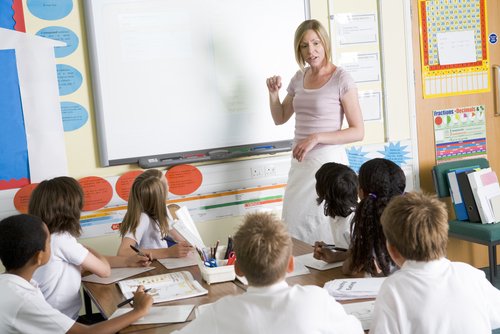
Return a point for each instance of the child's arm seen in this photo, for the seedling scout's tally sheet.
(142, 304)
(181, 249)
(346, 267)
(96, 264)
(324, 253)
(135, 260)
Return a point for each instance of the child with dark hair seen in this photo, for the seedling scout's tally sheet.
(337, 189)
(24, 247)
(58, 202)
(379, 181)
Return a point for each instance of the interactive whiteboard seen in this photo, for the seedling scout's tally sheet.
(184, 80)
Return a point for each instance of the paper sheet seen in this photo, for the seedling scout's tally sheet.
(309, 261)
(180, 262)
(186, 227)
(117, 274)
(363, 311)
(160, 314)
(165, 287)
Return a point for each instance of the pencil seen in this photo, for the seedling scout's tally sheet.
(137, 250)
(333, 247)
(126, 301)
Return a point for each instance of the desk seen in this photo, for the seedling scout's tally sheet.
(106, 297)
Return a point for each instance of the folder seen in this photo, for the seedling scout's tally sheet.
(484, 185)
(468, 197)
(456, 197)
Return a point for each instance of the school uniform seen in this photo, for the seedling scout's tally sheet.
(60, 279)
(147, 235)
(341, 230)
(278, 308)
(23, 309)
(436, 297)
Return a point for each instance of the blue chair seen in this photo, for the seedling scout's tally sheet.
(484, 234)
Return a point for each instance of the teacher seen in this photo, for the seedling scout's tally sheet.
(319, 94)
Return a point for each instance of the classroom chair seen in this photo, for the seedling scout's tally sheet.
(484, 234)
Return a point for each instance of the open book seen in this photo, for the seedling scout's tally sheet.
(165, 287)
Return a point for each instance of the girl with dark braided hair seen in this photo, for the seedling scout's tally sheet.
(379, 181)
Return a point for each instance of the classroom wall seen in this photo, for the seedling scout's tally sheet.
(82, 145)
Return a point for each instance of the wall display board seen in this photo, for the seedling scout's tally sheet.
(454, 48)
(184, 81)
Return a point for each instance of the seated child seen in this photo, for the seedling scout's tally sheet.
(145, 224)
(429, 294)
(58, 202)
(337, 187)
(263, 250)
(24, 247)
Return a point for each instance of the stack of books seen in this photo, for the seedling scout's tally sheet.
(475, 194)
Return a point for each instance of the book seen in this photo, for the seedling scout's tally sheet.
(309, 261)
(165, 287)
(117, 274)
(159, 314)
(484, 185)
(468, 197)
(354, 288)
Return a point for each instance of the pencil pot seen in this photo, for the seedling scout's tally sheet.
(216, 270)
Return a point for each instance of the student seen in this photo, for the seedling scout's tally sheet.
(337, 189)
(58, 202)
(263, 250)
(379, 181)
(24, 247)
(145, 224)
(430, 294)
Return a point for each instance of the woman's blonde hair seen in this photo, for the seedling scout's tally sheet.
(263, 248)
(318, 28)
(148, 195)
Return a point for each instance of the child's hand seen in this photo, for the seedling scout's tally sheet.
(181, 249)
(142, 301)
(323, 253)
(137, 260)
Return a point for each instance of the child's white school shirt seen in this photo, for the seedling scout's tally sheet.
(147, 235)
(436, 297)
(341, 230)
(278, 308)
(60, 279)
(24, 310)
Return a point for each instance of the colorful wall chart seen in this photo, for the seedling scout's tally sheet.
(460, 133)
(448, 26)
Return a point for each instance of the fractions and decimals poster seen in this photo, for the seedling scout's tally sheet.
(460, 133)
(453, 46)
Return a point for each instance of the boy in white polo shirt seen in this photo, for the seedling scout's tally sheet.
(429, 294)
(263, 250)
(25, 246)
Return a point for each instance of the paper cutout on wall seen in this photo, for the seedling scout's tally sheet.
(124, 183)
(18, 15)
(356, 157)
(22, 197)
(68, 78)
(14, 166)
(97, 192)
(74, 116)
(6, 15)
(183, 179)
(62, 34)
(396, 153)
(50, 9)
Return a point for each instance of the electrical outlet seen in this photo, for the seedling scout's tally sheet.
(256, 171)
(263, 171)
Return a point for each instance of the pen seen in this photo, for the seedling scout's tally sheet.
(333, 247)
(215, 249)
(139, 252)
(126, 301)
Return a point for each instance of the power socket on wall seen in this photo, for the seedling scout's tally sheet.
(263, 171)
